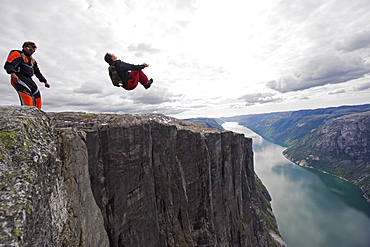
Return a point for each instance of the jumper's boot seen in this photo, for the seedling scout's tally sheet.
(149, 83)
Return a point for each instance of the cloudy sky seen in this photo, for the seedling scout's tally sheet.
(208, 58)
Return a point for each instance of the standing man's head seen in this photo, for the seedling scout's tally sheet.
(30, 47)
(110, 58)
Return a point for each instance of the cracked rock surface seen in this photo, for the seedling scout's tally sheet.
(78, 179)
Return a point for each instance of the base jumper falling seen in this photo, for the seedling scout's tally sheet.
(126, 75)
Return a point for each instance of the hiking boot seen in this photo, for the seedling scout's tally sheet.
(149, 83)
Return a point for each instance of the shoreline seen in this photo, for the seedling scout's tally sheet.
(334, 175)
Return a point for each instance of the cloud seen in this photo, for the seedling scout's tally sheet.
(156, 96)
(338, 91)
(259, 98)
(197, 55)
(363, 86)
(90, 88)
(322, 70)
(355, 42)
(142, 48)
(9, 95)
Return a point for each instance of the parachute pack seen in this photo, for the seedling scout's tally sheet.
(113, 74)
(30, 63)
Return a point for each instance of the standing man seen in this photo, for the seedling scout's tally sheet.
(126, 75)
(22, 66)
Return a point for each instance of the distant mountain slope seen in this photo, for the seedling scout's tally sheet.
(206, 122)
(286, 127)
(341, 147)
(335, 140)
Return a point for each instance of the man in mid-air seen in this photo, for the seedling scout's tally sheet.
(126, 75)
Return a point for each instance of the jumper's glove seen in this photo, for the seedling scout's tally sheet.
(120, 84)
(47, 85)
(14, 78)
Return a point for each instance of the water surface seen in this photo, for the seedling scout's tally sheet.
(313, 209)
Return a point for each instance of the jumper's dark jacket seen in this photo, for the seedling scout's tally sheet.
(124, 68)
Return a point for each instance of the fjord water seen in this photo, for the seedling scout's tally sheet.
(312, 208)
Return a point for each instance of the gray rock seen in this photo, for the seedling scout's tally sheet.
(78, 179)
(46, 199)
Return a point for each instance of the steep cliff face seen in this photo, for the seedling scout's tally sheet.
(126, 180)
(340, 147)
(46, 198)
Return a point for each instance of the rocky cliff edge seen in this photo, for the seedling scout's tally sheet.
(77, 179)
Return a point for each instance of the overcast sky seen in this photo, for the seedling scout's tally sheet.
(208, 58)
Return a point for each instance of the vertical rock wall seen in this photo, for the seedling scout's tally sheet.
(77, 179)
(45, 193)
(81, 219)
(159, 183)
(28, 176)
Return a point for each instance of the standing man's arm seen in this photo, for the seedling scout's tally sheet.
(11, 63)
(39, 75)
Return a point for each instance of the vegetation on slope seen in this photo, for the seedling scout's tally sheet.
(335, 140)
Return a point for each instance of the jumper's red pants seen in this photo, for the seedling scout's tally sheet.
(28, 93)
(137, 76)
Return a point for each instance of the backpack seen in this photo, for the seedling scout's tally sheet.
(113, 74)
(30, 58)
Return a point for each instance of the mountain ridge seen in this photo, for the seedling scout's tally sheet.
(339, 147)
(293, 129)
(285, 127)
